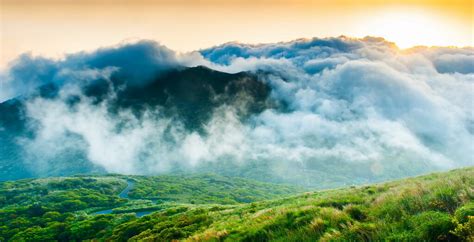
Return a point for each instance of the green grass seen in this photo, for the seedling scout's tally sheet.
(207, 188)
(435, 207)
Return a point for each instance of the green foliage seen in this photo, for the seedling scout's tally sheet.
(445, 199)
(91, 228)
(437, 207)
(355, 212)
(431, 226)
(43, 209)
(166, 228)
(61, 208)
(201, 189)
(464, 220)
(463, 213)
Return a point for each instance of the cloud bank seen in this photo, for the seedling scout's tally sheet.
(358, 108)
(136, 63)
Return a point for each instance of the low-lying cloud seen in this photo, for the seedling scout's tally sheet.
(358, 105)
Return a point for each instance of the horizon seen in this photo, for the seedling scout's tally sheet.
(55, 28)
(60, 56)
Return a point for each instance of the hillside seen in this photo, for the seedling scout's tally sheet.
(40, 209)
(209, 207)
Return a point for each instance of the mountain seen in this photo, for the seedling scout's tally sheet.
(165, 123)
(209, 207)
(318, 113)
(185, 95)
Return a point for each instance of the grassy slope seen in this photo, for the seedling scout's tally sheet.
(432, 207)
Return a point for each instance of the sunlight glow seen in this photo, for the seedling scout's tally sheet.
(410, 27)
(55, 29)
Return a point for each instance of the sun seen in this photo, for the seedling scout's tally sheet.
(409, 27)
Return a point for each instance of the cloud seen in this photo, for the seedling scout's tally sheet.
(360, 108)
(451, 63)
(25, 74)
(426, 92)
(136, 62)
(113, 141)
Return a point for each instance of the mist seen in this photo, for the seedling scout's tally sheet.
(358, 108)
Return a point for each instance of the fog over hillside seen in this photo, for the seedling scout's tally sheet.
(316, 112)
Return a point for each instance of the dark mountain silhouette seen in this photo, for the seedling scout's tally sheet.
(187, 94)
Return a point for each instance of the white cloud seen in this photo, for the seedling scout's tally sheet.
(359, 101)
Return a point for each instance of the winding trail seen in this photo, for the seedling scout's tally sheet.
(124, 194)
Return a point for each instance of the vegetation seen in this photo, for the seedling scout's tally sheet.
(206, 208)
(64, 208)
(199, 189)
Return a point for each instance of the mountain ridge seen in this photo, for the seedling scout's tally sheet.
(186, 94)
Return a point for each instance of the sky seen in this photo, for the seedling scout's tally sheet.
(53, 28)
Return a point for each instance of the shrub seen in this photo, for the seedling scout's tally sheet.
(432, 225)
(355, 212)
(445, 199)
(335, 218)
(465, 231)
(317, 225)
(464, 220)
(331, 235)
(360, 232)
(464, 212)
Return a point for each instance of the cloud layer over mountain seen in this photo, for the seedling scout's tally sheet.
(134, 62)
(359, 105)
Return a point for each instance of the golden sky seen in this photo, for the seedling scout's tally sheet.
(55, 27)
